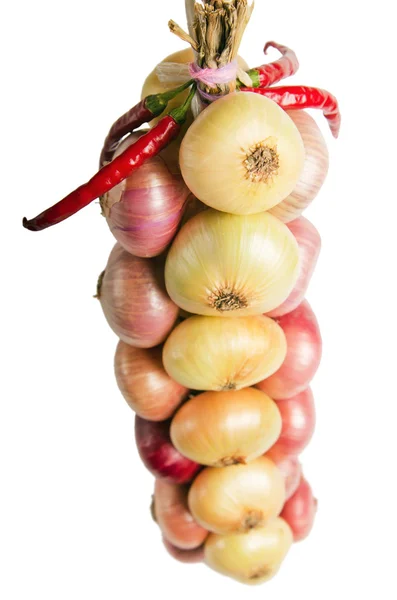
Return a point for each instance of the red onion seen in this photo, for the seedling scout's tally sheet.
(300, 511)
(290, 467)
(158, 454)
(304, 348)
(299, 419)
(144, 211)
(185, 556)
(133, 297)
(145, 385)
(309, 242)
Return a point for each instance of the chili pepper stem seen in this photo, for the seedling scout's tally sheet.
(157, 103)
(179, 114)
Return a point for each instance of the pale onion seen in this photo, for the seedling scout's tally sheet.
(299, 420)
(153, 85)
(174, 518)
(243, 154)
(226, 428)
(300, 511)
(212, 353)
(304, 348)
(225, 265)
(145, 385)
(309, 242)
(289, 467)
(314, 172)
(133, 298)
(237, 498)
(253, 557)
(144, 211)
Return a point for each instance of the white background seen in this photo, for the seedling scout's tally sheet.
(74, 513)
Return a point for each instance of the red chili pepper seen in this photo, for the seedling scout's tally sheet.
(299, 97)
(113, 173)
(146, 110)
(273, 72)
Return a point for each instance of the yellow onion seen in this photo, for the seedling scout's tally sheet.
(243, 154)
(226, 428)
(153, 85)
(314, 172)
(253, 557)
(228, 265)
(211, 353)
(237, 498)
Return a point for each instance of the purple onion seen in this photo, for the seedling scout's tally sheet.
(134, 300)
(159, 455)
(145, 210)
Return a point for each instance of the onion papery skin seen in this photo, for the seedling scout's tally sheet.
(217, 147)
(225, 265)
(225, 428)
(298, 416)
(174, 518)
(134, 299)
(144, 211)
(184, 556)
(253, 557)
(153, 85)
(216, 354)
(309, 242)
(300, 511)
(304, 350)
(237, 498)
(159, 455)
(290, 468)
(145, 385)
(314, 171)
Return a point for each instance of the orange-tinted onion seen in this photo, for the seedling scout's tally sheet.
(300, 511)
(299, 419)
(184, 556)
(225, 428)
(146, 387)
(134, 300)
(237, 498)
(304, 348)
(309, 243)
(174, 518)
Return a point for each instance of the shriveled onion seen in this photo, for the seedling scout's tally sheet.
(309, 242)
(253, 557)
(134, 299)
(226, 265)
(299, 419)
(145, 385)
(159, 455)
(226, 428)
(300, 511)
(304, 348)
(289, 467)
(243, 154)
(237, 498)
(314, 172)
(144, 210)
(212, 353)
(174, 518)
